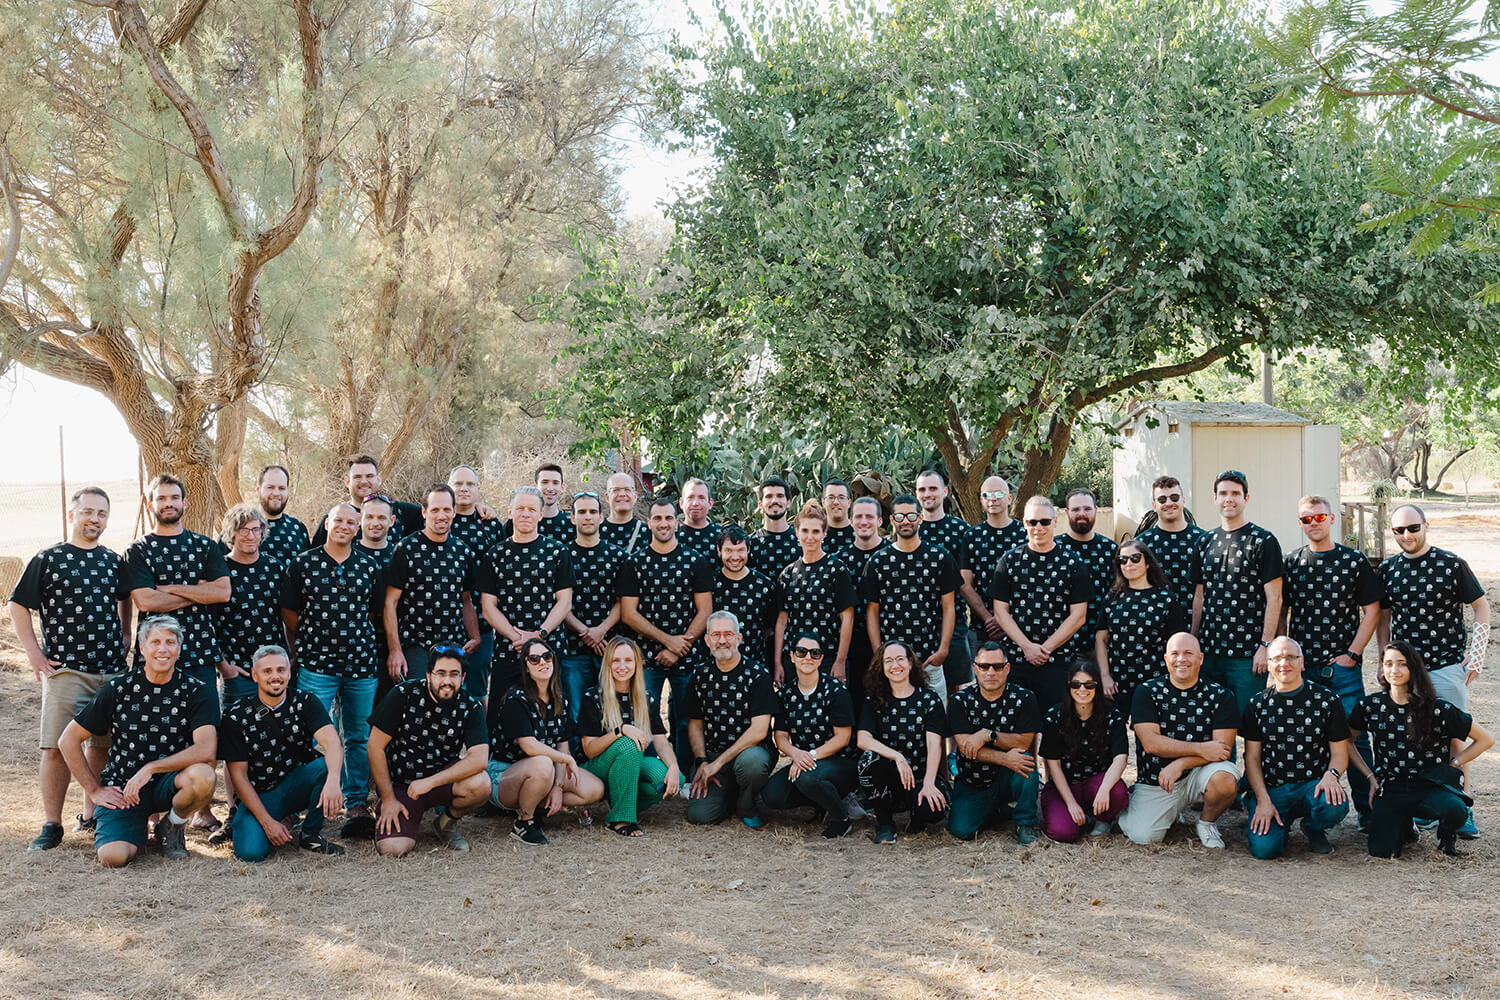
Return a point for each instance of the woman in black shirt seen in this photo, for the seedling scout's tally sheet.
(1142, 613)
(620, 727)
(531, 764)
(814, 720)
(901, 730)
(1413, 772)
(1084, 750)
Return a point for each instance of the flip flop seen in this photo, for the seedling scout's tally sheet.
(626, 829)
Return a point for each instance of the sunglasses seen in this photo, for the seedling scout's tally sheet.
(381, 498)
(808, 651)
(536, 658)
(992, 666)
(1131, 558)
(585, 493)
(993, 495)
(899, 518)
(447, 649)
(1169, 498)
(1038, 522)
(1315, 518)
(1082, 685)
(1402, 529)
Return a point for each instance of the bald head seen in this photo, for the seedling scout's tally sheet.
(1184, 659)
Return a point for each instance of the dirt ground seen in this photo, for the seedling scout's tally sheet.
(724, 912)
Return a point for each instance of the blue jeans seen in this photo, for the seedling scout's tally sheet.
(1348, 683)
(297, 791)
(1296, 800)
(972, 808)
(477, 673)
(356, 698)
(580, 671)
(677, 725)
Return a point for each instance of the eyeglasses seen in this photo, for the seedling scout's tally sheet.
(899, 518)
(1083, 685)
(722, 635)
(381, 498)
(1169, 498)
(992, 665)
(1402, 529)
(993, 495)
(808, 651)
(536, 658)
(446, 649)
(585, 493)
(1232, 476)
(1285, 657)
(1315, 518)
(1038, 522)
(1131, 558)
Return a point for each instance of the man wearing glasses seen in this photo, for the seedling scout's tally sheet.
(622, 528)
(836, 499)
(994, 725)
(1426, 589)
(1242, 573)
(595, 609)
(909, 589)
(982, 548)
(1176, 544)
(1332, 606)
(696, 531)
(1040, 594)
(1096, 552)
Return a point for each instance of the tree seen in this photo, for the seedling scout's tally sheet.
(978, 221)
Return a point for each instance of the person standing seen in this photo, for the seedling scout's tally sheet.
(622, 528)
(480, 534)
(362, 479)
(773, 545)
(1095, 551)
(865, 516)
(836, 500)
(595, 609)
(252, 618)
(980, 552)
(749, 595)
(1177, 545)
(696, 531)
(950, 532)
(75, 589)
(817, 597)
(909, 589)
(554, 522)
(373, 539)
(1140, 614)
(285, 536)
(427, 590)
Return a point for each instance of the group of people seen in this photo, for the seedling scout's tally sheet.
(462, 661)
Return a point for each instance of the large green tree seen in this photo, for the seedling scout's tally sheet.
(978, 220)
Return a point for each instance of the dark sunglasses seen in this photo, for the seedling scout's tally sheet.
(585, 493)
(992, 666)
(807, 651)
(382, 498)
(535, 658)
(1082, 685)
(1169, 498)
(1315, 518)
(1038, 522)
(993, 495)
(446, 649)
(1131, 558)
(1402, 529)
(1233, 476)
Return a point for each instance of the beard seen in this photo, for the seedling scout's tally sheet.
(168, 516)
(272, 506)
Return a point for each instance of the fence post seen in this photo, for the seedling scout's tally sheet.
(62, 482)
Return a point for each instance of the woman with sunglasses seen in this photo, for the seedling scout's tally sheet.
(531, 764)
(1413, 771)
(901, 730)
(814, 722)
(817, 596)
(1142, 614)
(1084, 749)
(621, 727)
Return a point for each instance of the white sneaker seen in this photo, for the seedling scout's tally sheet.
(1099, 829)
(1209, 836)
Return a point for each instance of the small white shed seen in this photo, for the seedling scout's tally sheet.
(1284, 457)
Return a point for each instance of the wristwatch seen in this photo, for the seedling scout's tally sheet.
(994, 740)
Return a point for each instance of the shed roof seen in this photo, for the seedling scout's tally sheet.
(1194, 411)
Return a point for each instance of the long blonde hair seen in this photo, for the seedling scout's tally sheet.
(609, 705)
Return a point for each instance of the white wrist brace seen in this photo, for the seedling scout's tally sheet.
(1479, 644)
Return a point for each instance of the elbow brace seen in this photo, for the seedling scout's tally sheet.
(1479, 644)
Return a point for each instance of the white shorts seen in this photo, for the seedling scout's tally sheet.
(1153, 810)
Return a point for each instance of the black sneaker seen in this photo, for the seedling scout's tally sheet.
(170, 837)
(885, 835)
(528, 832)
(50, 837)
(1448, 843)
(1317, 840)
(837, 828)
(359, 826)
(314, 842)
(85, 825)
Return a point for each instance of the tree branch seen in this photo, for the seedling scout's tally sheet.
(13, 216)
(1224, 349)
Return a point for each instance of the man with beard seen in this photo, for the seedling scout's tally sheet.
(696, 531)
(747, 594)
(427, 589)
(362, 479)
(76, 590)
(622, 528)
(909, 587)
(774, 544)
(729, 705)
(595, 609)
(428, 748)
(555, 522)
(1177, 545)
(1096, 552)
(836, 500)
(987, 541)
(285, 535)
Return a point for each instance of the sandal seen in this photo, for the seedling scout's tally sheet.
(626, 829)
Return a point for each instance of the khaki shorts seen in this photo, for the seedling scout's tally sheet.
(63, 695)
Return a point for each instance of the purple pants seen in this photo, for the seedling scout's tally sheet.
(1057, 822)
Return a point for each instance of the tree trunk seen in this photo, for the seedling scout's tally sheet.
(229, 447)
(1045, 462)
(1449, 464)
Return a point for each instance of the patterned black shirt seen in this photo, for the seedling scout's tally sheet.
(1236, 567)
(1386, 722)
(525, 578)
(949, 531)
(407, 520)
(903, 724)
(480, 536)
(810, 719)
(620, 535)
(857, 559)
(285, 537)
(1098, 557)
(188, 558)
(1041, 588)
(596, 583)
(813, 596)
(1323, 593)
(432, 577)
(1095, 752)
(1294, 731)
(981, 551)
(770, 553)
(1426, 598)
(755, 602)
(1189, 715)
(728, 701)
(909, 588)
(335, 603)
(77, 594)
(704, 540)
(381, 557)
(591, 713)
(252, 618)
(1139, 623)
(969, 711)
(426, 735)
(273, 741)
(665, 584)
(521, 717)
(1181, 556)
(838, 538)
(146, 721)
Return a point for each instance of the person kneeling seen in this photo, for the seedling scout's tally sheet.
(428, 748)
(994, 724)
(901, 729)
(728, 707)
(283, 756)
(814, 720)
(1084, 747)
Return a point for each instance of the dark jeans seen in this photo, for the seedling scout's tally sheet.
(1402, 800)
(1349, 684)
(1048, 682)
(580, 671)
(958, 668)
(1296, 800)
(677, 723)
(477, 673)
(737, 786)
(1237, 673)
(880, 785)
(823, 787)
(974, 808)
(298, 791)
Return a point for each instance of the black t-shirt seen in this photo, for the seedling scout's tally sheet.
(755, 602)
(381, 557)
(187, 558)
(1041, 588)
(981, 551)
(432, 577)
(1181, 556)
(77, 594)
(596, 582)
(406, 517)
(146, 721)
(558, 527)
(1386, 722)
(426, 735)
(480, 536)
(664, 584)
(903, 724)
(704, 540)
(1096, 750)
(591, 713)
(813, 596)
(949, 531)
(1294, 731)
(521, 717)
(334, 603)
(809, 719)
(1098, 557)
(857, 559)
(1323, 593)
(1426, 598)
(909, 587)
(252, 618)
(969, 711)
(1236, 567)
(525, 578)
(285, 537)
(630, 537)
(1139, 623)
(273, 741)
(771, 552)
(838, 538)
(1189, 715)
(728, 701)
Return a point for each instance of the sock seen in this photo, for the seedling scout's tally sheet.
(175, 819)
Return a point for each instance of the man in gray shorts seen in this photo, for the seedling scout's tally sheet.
(84, 607)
